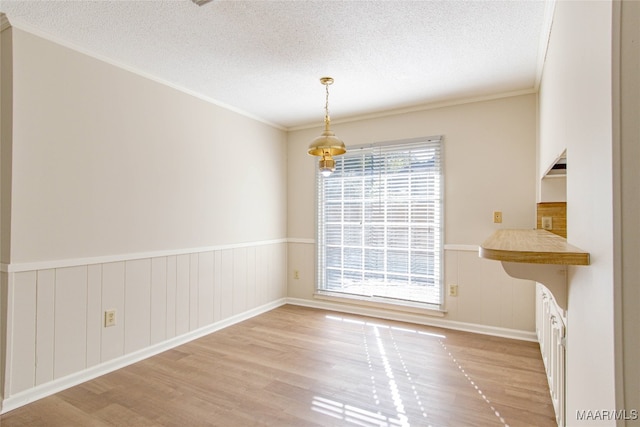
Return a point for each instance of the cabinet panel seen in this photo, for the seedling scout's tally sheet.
(551, 330)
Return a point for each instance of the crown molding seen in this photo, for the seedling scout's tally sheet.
(547, 24)
(69, 45)
(4, 22)
(421, 107)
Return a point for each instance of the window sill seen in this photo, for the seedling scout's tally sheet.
(381, 303)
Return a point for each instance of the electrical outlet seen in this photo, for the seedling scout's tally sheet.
(296, 274)
(453, 290)
(109, 318)
(497, 217)
(547, 223)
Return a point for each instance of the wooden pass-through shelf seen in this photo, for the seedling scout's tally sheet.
(535, 255)
(532, 246)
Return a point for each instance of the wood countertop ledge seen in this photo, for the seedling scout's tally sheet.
(532, 246)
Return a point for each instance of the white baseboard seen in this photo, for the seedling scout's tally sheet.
(417, 319)
(57, 385)
(60, 384)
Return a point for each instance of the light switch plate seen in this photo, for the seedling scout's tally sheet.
(109, 318)
(453, 290)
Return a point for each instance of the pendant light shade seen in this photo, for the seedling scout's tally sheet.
(327, 144)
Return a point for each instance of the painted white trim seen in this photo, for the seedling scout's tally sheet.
(543, 47)
(4, 22)
(379, 303)
(447, 247)
(468, 248)
(60, 384)
(9, 335)
(421, 107)
(304, 241)
(55, 386)
(417, 319)
(73, 262)
(555, 160)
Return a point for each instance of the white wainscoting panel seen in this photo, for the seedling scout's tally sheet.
(24, 339)
(137, 308)
(205, 288)
(112, 299)
(158, 315)
(95, 317)
(276, 272)
(182, 294)
(262, 273)
(217, 286)
(55, 327)
(486, 294)
(70, 321)
(194, 294)
(172, 295)
(252, 300)
(45, 316)
(4, 325)
(239, 280)
(226, 292)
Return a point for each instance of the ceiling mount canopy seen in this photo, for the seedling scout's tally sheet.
(201, 2)
(327, 144)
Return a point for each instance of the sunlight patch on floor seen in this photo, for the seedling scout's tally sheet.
(352, 414)
(401, 419)
(363, 417)
(475, 386)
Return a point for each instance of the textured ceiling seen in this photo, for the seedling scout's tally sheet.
(265, 58)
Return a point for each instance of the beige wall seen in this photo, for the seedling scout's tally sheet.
(6, 126)
(576, 114)
(627, 64)
(128, 195)
(6, 101)
(108, 162)
(489, 152)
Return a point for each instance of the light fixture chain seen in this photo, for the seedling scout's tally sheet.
(326, 105)
(327, 144)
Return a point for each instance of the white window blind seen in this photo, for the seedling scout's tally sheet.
(380, 230)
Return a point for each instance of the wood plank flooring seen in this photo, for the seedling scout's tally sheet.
(296, 366)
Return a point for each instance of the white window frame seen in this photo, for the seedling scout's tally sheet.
(431, 144)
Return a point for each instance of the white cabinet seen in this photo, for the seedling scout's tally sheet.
(551, 331)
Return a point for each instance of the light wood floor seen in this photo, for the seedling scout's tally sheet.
(296, 366)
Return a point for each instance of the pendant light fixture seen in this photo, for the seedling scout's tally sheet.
(327, 144)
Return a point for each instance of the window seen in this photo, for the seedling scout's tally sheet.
(380, 233)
